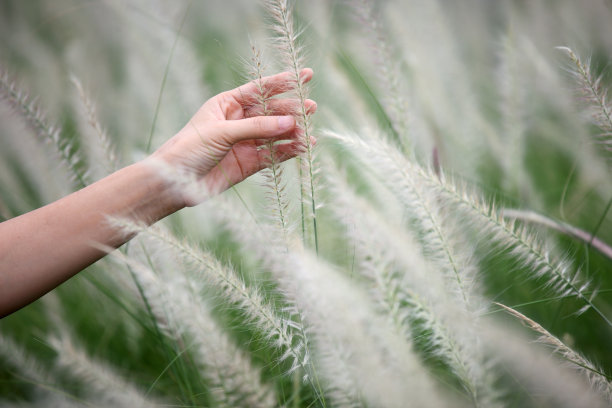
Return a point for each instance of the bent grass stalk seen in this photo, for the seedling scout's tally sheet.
(596, 96)
(401, 302)
(249, 301)
(506, 234)
(215, 355)
(528, 249)
(569, 230)
(598, 378)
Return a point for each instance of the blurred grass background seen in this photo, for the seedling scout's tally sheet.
(485, 92)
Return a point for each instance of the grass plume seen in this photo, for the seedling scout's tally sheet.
(35, 118)
(247, 300)
(562, 277)
(594, 94)
(599, 380)
(274, 173)
(287, 42)
(112, 162)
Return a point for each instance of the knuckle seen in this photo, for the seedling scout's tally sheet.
(227, 101)
(223, 135)
(221, 98)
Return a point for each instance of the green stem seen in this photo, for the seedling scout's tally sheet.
(601, 220)
(577, 233)
(301, 93)
(165, 77)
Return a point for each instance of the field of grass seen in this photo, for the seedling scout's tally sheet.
(446, 243)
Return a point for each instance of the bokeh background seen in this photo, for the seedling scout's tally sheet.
(477, 90)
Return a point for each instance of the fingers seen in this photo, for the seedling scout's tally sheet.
(259, 127)
(269, 86)
(247, 159)
(283, 152)
(281, 107)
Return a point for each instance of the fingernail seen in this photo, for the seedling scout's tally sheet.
(312, 106)
(286, 122)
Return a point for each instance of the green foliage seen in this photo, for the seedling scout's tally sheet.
(460, 185)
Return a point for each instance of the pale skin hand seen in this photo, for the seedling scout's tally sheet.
(224, 143)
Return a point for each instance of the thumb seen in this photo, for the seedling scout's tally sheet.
(259, 127)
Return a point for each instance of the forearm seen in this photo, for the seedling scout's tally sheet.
(43, 248)
(225, 142)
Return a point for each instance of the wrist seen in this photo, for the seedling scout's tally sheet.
(161, 196)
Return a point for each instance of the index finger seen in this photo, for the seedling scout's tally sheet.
(270, 86)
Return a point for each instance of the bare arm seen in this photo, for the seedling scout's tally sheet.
(41, 249)
(221, 145)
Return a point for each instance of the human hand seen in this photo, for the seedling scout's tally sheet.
(226, 140)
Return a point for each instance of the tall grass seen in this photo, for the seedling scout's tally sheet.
(459, 188)
(287, 42)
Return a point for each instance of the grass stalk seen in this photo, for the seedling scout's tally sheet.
(48, 133)
(247, 300)
(588, 238)
(274, 171)
(506, 234)
(288, 47)
(165, 76)
(112, 162)
(596, 377)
